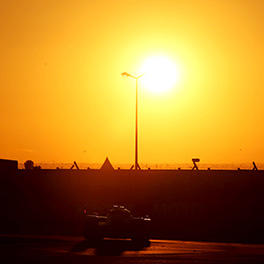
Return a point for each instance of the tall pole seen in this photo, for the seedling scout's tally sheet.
(136, 129)
(136, 132)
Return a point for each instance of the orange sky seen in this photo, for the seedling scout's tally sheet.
(63, 99)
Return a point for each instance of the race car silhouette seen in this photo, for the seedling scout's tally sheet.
(118, 223)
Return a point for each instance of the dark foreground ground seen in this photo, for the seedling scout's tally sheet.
(59, 249)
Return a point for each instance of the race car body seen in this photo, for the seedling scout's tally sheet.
(118, 223)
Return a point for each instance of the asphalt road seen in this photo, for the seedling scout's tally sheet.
(60, 249)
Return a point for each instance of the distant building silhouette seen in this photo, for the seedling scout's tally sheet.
(8, 165)
(107, 166)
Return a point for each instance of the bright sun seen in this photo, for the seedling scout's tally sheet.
(160, 74)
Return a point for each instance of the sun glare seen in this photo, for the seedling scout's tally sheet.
(160, 74)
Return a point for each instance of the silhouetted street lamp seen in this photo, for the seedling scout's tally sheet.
(136, 132)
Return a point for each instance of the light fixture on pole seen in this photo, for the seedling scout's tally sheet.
(136, 165)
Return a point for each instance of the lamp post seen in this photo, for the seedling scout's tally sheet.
(136, 166)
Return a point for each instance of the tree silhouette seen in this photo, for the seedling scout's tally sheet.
(29, 165)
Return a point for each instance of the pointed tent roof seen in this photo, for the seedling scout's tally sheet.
(107, 165)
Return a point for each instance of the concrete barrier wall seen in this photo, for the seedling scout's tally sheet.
(184, 204)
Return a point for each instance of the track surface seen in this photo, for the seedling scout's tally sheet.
(54, 249)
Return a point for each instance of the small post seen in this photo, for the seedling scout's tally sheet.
(77, 167)
(74, 164)
(255, 168)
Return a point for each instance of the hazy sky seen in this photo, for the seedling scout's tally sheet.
(63, 99)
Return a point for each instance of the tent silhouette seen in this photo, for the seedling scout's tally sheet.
(107, 165)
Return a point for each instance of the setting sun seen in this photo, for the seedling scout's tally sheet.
(160, 74)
